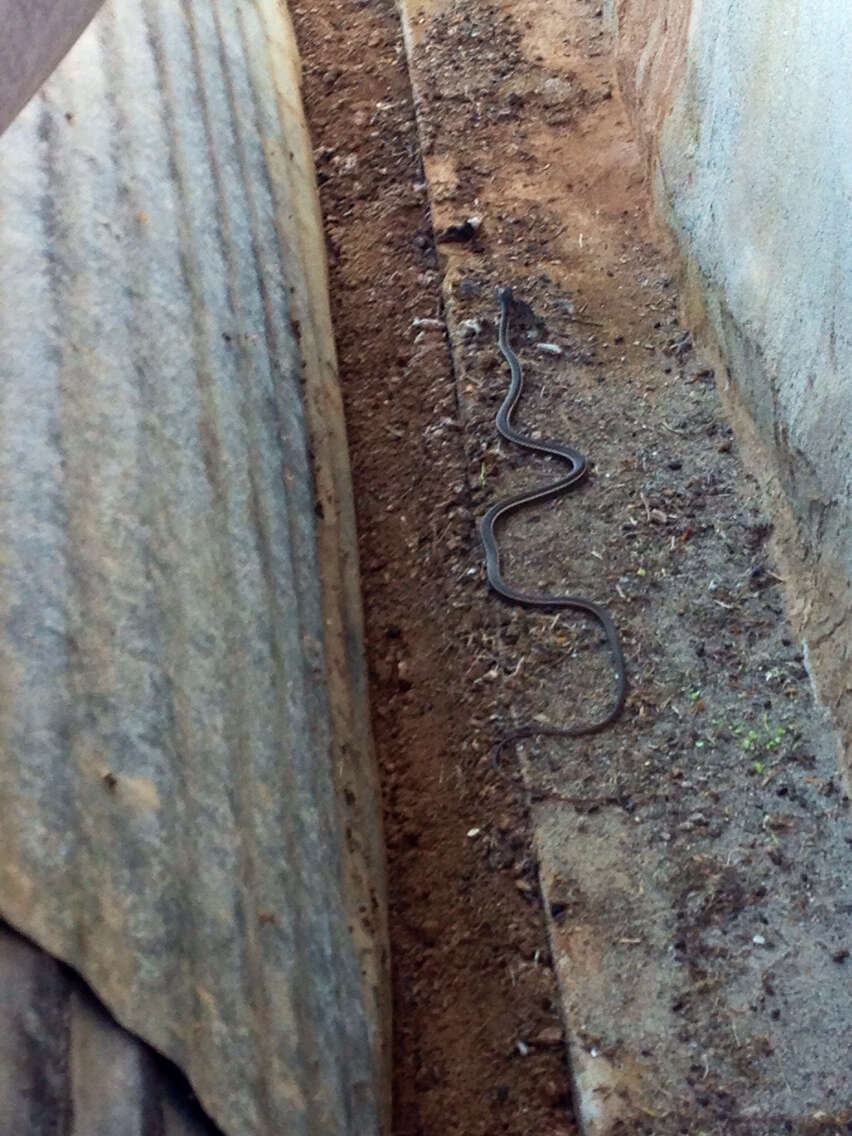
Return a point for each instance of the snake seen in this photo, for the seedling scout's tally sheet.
(577, 470)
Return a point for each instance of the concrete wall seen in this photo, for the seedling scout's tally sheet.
(745, 112)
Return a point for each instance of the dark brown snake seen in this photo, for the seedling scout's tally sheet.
(577, 470)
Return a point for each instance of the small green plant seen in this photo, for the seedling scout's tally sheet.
(694, 695)
(764, 741)
(775, 738)
(641, 572)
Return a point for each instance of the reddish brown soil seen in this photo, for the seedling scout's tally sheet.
(477, 1038)
(520, 125)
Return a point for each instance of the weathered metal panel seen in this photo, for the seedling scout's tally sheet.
(67, 1068)
(183, 726)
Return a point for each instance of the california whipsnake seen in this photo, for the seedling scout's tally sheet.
(577, 470)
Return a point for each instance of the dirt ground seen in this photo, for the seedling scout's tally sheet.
(472, 981)
(701, 843)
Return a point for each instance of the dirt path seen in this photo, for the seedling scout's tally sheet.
(700, 973)
(693, 861)
(472, 981)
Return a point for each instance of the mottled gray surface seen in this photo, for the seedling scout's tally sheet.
(745, 111)
(757, 160)
(170, 807)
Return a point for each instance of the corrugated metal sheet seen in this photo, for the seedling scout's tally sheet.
(67, 1069)
(183, 730)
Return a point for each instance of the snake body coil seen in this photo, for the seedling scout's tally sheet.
(577, 470)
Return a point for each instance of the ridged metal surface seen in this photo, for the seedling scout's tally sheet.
(66, 1067)
(173, 773)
